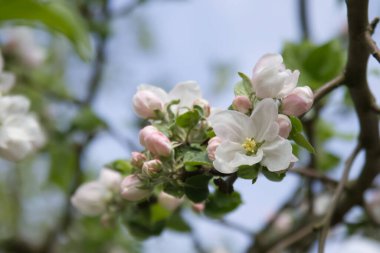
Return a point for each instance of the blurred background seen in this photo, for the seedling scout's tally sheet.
(85, 107)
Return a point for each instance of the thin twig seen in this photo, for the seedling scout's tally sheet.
(337, 194)
(305, 172)
(328, 87)
(374, 50)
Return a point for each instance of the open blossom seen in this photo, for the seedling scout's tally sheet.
(271, 79)
(130, 189)
(298, 102)
(250, 140)
(285, 125)
(20, 135)
(187, 92)
(155, 141)
(91, 198)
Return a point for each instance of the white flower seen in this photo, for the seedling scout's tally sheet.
(91, 198)
(12, 105)
(7, 79)
(187, 92)
(250, 140)
(20, 135)
(271, 79)
(110, 179)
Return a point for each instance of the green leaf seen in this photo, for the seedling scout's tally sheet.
(195, 157)
(196, 188)
(177, 223)
(248, 172)
(296, 124)
(188, 119)
(56, 15)
(158, 213)
(86, 120)
(122, 166)
(317, 63)
(273, 176)
(302, 141)
(221, 203)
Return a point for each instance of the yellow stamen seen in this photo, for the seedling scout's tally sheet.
(249, 146)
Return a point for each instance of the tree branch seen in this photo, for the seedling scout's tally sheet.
(328, 87)
(336, 197)
(305, 172)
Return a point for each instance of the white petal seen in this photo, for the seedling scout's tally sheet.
(290, 84)
(264, 120)
(269, 82)
(243, 159)
(7, 81)
(187, 92)
(156, 90)
(224, 154)
(277, 154)
(267, 60)
(232, 125)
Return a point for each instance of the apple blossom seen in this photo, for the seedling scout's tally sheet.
(91, 198)
(169, 202)
(186, 92)
(7, 79)
(250, 140)
(146, 103)
(213, 144)
(151, 167)
(285, 125)
(20, 135)
(242, 104)
(131, 189)
(198, 207)
(138, 159)
(271, 79)
(110, 179)
(12, 105)
(155, 141)
(298, 102)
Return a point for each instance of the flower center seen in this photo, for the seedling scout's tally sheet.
(250, 146)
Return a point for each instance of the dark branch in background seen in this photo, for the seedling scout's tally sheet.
(312, 173)
(304, 22)
(336, 197)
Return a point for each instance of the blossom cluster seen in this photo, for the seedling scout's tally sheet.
(20, 131)
(187, 143)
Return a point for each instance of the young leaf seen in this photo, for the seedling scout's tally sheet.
(221, 203)
(273, 176)
(194, 158)
(302, 141)
(196, 188)
(248, 172)
(188, 119)
(296, 124)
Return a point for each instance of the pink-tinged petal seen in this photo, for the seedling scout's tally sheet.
(163, 95)
(277, 154)
(267, 60)
(187, 92)
(231, 125)
(224, 154)
(243, 159)
(264, 119)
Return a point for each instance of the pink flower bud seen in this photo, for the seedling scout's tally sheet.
(169, 202)
(145, 132)
(155, 141)
(130, 189)
(198, 207)
(138, 159)
(204, 104)
(285, 125)
(145, 103)
(298, 102)
(213, 143)
(152, 167)
(242, 104)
